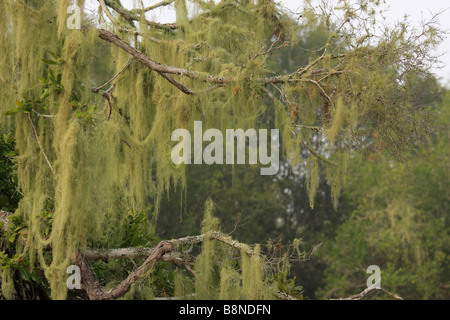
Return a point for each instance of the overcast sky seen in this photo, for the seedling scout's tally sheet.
(417, 10)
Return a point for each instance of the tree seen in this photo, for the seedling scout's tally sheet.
(90, 168)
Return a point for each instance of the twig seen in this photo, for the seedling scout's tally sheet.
(321, 90)
(39, 143)
(165, 251)
(186, 297)
(124, 141)
(164, 69)
(318, 155)
(110, 16)
(93, 288)
(157, 5)
(130, 16)
(118, 26)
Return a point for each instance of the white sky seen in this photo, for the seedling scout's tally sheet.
(417, 10)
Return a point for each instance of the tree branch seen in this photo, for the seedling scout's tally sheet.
(145, 60)
(157, 5)
(39, 143)
(361, 295)
(149, 63)
(92, 286)
(165, 252)
(318, 156)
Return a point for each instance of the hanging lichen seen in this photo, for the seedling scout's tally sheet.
(312, 179)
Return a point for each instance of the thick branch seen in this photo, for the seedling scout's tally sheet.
(129, 253)
(318, 156)
(149, 63)
(165, 252)
(145, 60)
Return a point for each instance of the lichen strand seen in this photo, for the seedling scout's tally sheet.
(24, 33)
(87, 174)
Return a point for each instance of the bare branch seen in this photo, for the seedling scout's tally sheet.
(271, 48)
(155, 6)
(43, 115)
(131, 17)
(318, 156)
(96, 90)
(110, 16)
(363, 294)
(321, 90)
(145, 60)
